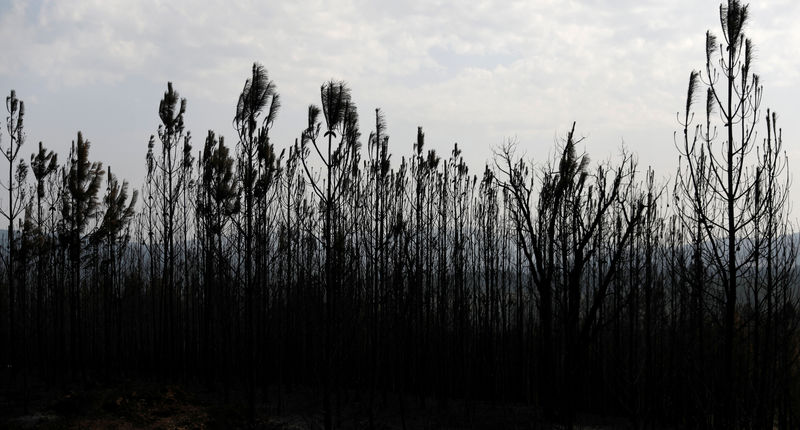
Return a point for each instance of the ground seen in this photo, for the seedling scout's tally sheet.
(150, 405)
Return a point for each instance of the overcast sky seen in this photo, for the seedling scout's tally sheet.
(473, 72)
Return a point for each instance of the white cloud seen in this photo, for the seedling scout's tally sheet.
(474, 72)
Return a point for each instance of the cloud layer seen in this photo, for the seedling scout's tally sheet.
(476, 73)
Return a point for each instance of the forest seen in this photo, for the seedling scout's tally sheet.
(570, 285)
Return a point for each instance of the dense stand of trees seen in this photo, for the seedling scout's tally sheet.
(571, 285)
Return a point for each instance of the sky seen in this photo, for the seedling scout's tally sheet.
(477, 73)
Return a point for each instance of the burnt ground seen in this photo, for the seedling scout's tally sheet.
(152, 405)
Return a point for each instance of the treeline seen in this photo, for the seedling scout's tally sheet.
(571, 285)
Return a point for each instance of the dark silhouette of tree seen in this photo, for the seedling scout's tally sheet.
(338, 160)
(724, 182)
(257, 168)
(16, 205)
(168, 179)
(218, 202)
(43, 165)
(82, 180)
(557, 238)
(118, 209)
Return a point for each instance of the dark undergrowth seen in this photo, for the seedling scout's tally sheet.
(146, 404)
